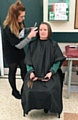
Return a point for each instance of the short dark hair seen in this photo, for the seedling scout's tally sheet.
(49, 29)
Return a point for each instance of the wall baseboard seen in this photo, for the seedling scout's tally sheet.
(6, 70)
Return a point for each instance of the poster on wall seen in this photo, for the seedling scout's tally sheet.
(58, 10)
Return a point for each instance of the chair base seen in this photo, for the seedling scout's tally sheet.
(58, 115)
(46, 111)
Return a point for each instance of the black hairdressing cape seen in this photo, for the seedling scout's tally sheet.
(41, 55)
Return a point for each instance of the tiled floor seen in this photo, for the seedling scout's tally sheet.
(70, 116)
(10, 108)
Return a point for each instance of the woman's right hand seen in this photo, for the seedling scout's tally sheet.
(32, 34)
(32, 76)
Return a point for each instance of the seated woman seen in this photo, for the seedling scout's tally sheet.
(43, 60)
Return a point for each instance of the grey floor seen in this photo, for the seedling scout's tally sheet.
(10, 108)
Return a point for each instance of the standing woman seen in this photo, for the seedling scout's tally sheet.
(14, 42)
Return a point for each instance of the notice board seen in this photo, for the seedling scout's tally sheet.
(58, 10)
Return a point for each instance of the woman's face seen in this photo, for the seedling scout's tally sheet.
(21, 17)
(43, 31)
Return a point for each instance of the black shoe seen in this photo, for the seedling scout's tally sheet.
(16, 94)
(46, 110)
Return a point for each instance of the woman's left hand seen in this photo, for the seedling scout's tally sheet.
(48, 76)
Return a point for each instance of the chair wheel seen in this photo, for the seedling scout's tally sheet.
(46, 110)
(59, 115)
(24, 114)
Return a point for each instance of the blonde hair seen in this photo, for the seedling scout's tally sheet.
(12, 16)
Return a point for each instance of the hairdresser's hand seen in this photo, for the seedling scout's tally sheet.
(32, 28)
(32, 34)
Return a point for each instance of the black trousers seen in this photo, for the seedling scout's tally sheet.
(12, 73)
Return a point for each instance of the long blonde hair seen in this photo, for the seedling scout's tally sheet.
(12, 16)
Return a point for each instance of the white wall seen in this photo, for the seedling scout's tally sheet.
(1, 55)
(61, 26)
